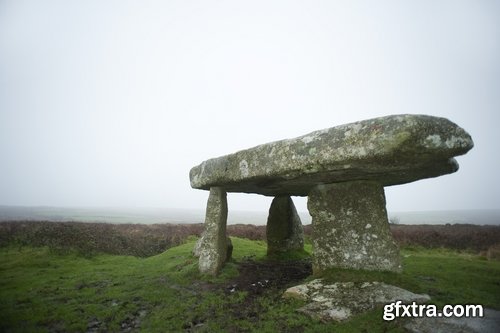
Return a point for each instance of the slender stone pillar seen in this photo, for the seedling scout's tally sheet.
(213, 246)
(350, 228)
(284, 229)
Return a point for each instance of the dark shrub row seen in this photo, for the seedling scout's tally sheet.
(89, 238)
(456, 236)
(145, 240)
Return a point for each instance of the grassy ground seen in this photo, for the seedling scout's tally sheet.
(46, 290)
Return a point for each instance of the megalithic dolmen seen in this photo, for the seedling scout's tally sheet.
(343, 171)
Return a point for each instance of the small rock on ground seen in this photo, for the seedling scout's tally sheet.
(342, 300)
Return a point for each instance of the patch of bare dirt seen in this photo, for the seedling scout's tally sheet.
(267, 279)
(256, 277)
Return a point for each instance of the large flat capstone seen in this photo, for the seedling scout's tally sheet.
(390, 150)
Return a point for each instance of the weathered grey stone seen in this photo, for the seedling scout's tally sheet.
(229, 248)
(350, 228)
(339, 301)
(197, 247)
(284, 229)
(213, 246)
(390, 150)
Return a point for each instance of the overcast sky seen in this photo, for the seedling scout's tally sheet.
(110, 103)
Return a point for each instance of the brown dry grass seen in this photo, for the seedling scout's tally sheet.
(145, 240)
(456, 236)
(493, 252)
(89, 238)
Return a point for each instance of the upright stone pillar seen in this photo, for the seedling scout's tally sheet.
(213, 245)
(350, 228)
(284, 229)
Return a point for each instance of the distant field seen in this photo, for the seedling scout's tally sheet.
(167, 215)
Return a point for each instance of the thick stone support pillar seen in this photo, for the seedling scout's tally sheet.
(213, 246)
(350, 228)
(284, 229)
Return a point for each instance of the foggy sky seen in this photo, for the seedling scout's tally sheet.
(110, 103)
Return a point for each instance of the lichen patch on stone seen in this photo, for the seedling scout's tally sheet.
(244, 168)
